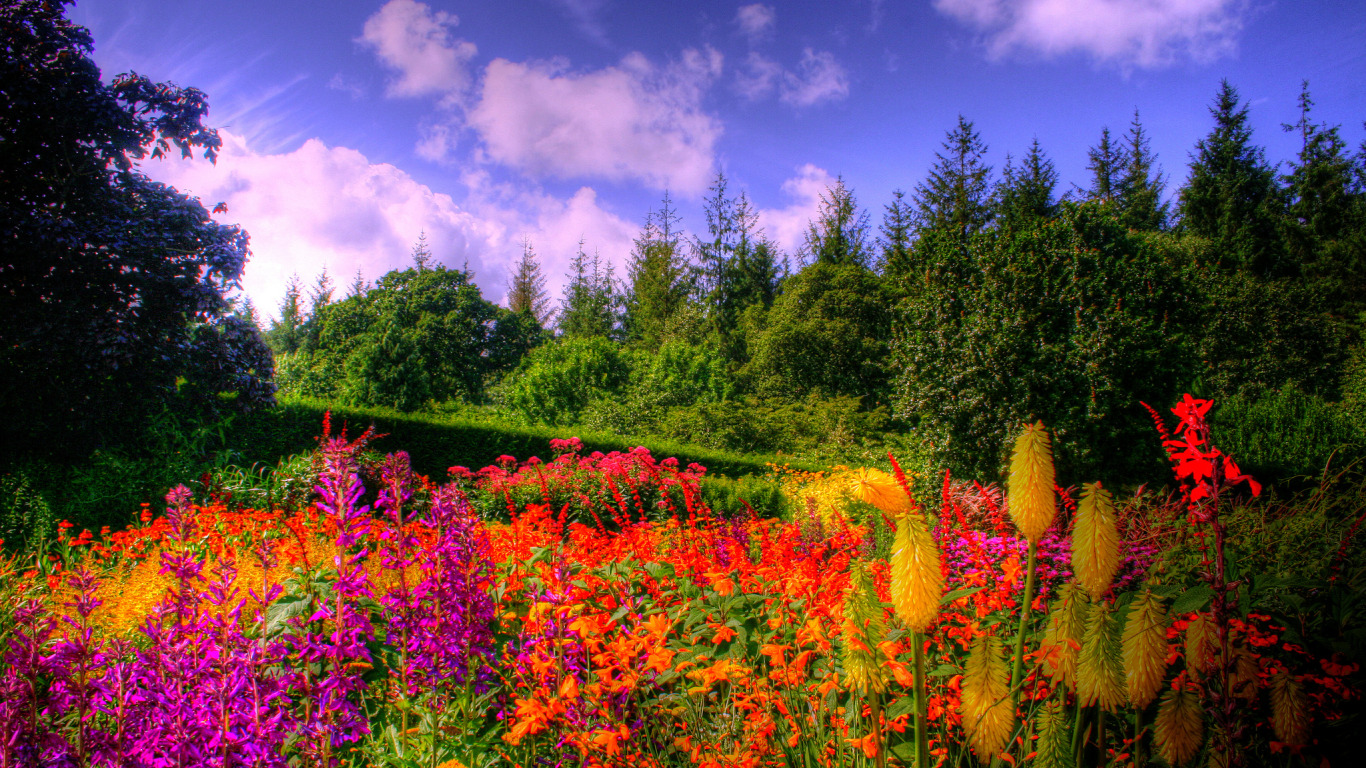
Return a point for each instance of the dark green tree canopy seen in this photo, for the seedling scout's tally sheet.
(114, 288)
(659, 278)
(591, 303)
(1026, 192)
(956, 198)
(1106, 164)
(839, 234)
(526, 294)
(1141, 185)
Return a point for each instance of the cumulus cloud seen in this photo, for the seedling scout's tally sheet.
(635, 121)
(321, 206)
(1142, 33)
(755, 21)
(787, 226)
(415, 42)
(819, 77)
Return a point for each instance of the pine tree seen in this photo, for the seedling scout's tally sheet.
(956, 198)
(1027, 193)
(422, 253)
(754, 274)
(659, 278)
(714, 255)
(1232, 197)
(1140, 188)
(839, 235)
(358, 285)
(589, 304)
(527, 294)
(894, 242)
(284, 334)
(1107, 169)
(246, 311)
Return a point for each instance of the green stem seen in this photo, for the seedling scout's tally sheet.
(1018, 669)
(1078, 739)
(922, 726)
(875, 709)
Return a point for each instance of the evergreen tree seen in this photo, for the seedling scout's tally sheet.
(246, 312)
(1107, 169)
(589, 304)
(1321, 200)
(755, 273)
(358, 285)
(285, 333)
(1232, 197)
(1140, 188)
(659, 278)
(956, 198)
(422, 253)
(839, 235)
(1026, 193)
(527, 294)
(894, 242)
(714, 255)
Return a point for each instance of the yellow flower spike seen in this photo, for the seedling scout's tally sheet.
(1031, 499)
(1289, 709)
(1062, 639)
(1242, 679)
(917, 581)
(1144, 649)
(1180, 726)
(1200, 645)
(988, 713)
(1100, 680)
(1054, 748)
(864, 627)
(1095, 540)
(875, 487)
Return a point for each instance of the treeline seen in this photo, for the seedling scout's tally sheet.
(979, 300)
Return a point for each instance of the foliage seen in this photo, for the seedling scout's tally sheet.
(527, 292)
(556, 382)
(1287, 433)
(591, 304)
(659, 278)
(955, 198)
(1072, 320)
(839, 233)
(1027, 192)
(115, 287)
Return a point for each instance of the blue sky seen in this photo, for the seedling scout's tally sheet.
(349, 127)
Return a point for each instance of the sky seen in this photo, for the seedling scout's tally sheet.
(353, 127)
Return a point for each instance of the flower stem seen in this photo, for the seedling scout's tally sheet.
(922, 726)
(1027, 600)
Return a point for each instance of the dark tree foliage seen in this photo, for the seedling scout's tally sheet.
(591, 304)
(1141, 185)
(1106, 164)
(659, 278)
(1026, 193)
(286, 333)
(1232, 197)
(827, 333)
(113, 287)
(422, 252)
(956, 198)
(895, 236)
(527, 294)
(839, 234)
(1071, 320)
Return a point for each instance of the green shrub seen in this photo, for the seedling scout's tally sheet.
(556, 382)
(1280, 435)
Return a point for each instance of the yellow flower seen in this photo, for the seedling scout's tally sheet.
(1095, 540)
(1289, 709)
(988, 713)
(875, 487)
(917, 581)
(864, 627)
(1180, 726)
(1031, 482)
(1062, 639)
(1100, 680)
(1144, 649)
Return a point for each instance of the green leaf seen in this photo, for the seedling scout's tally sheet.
(957, 593)
(1193, 599)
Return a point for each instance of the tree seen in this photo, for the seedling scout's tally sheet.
(1140, 187)
(894, 241)
(285, 334)
(1026, 193)
(956, 198)
(590, 301)
(1106, 166)
(358, 285)
(527, 295)
(114, 288)
(839, 234)
(422, 253)
(1071, 320)
(659, 278)
(1232, 197)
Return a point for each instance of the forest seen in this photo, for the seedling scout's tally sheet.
(1008, 471)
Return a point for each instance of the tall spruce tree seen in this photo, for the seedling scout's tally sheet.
(659, 277)
(1026, 193)
(1319, 185)
(754, 274)
(895, 236)
(1106, 164)
(1140, 188)
(422, 252)
(526, 294)
(839, 234)
(285, 335)
(1232, 197)
(589, 306)
(956, 198)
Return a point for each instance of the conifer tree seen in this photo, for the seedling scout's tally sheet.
(284, 334)
(1140, 188)
(1232, 197)
(422, 253)
(659, 277)
(589, 304)
(956, 198)
(839, 235)
(527, 294)
(894, 241)
(358, 285)
(755, 274)
(1319, 185)
(1026, 193)
(1107, 169)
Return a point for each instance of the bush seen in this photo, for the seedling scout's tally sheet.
(1288, 433)
(556, 382)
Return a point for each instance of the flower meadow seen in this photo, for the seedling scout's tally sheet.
(592, 610)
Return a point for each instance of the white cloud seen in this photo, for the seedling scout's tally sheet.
(1143, 33)
(787, 226)
(819, 78)
(321, 206)
(417, 43)
(586, 15)
(755, 21)
(634, 121)
(758, 76)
